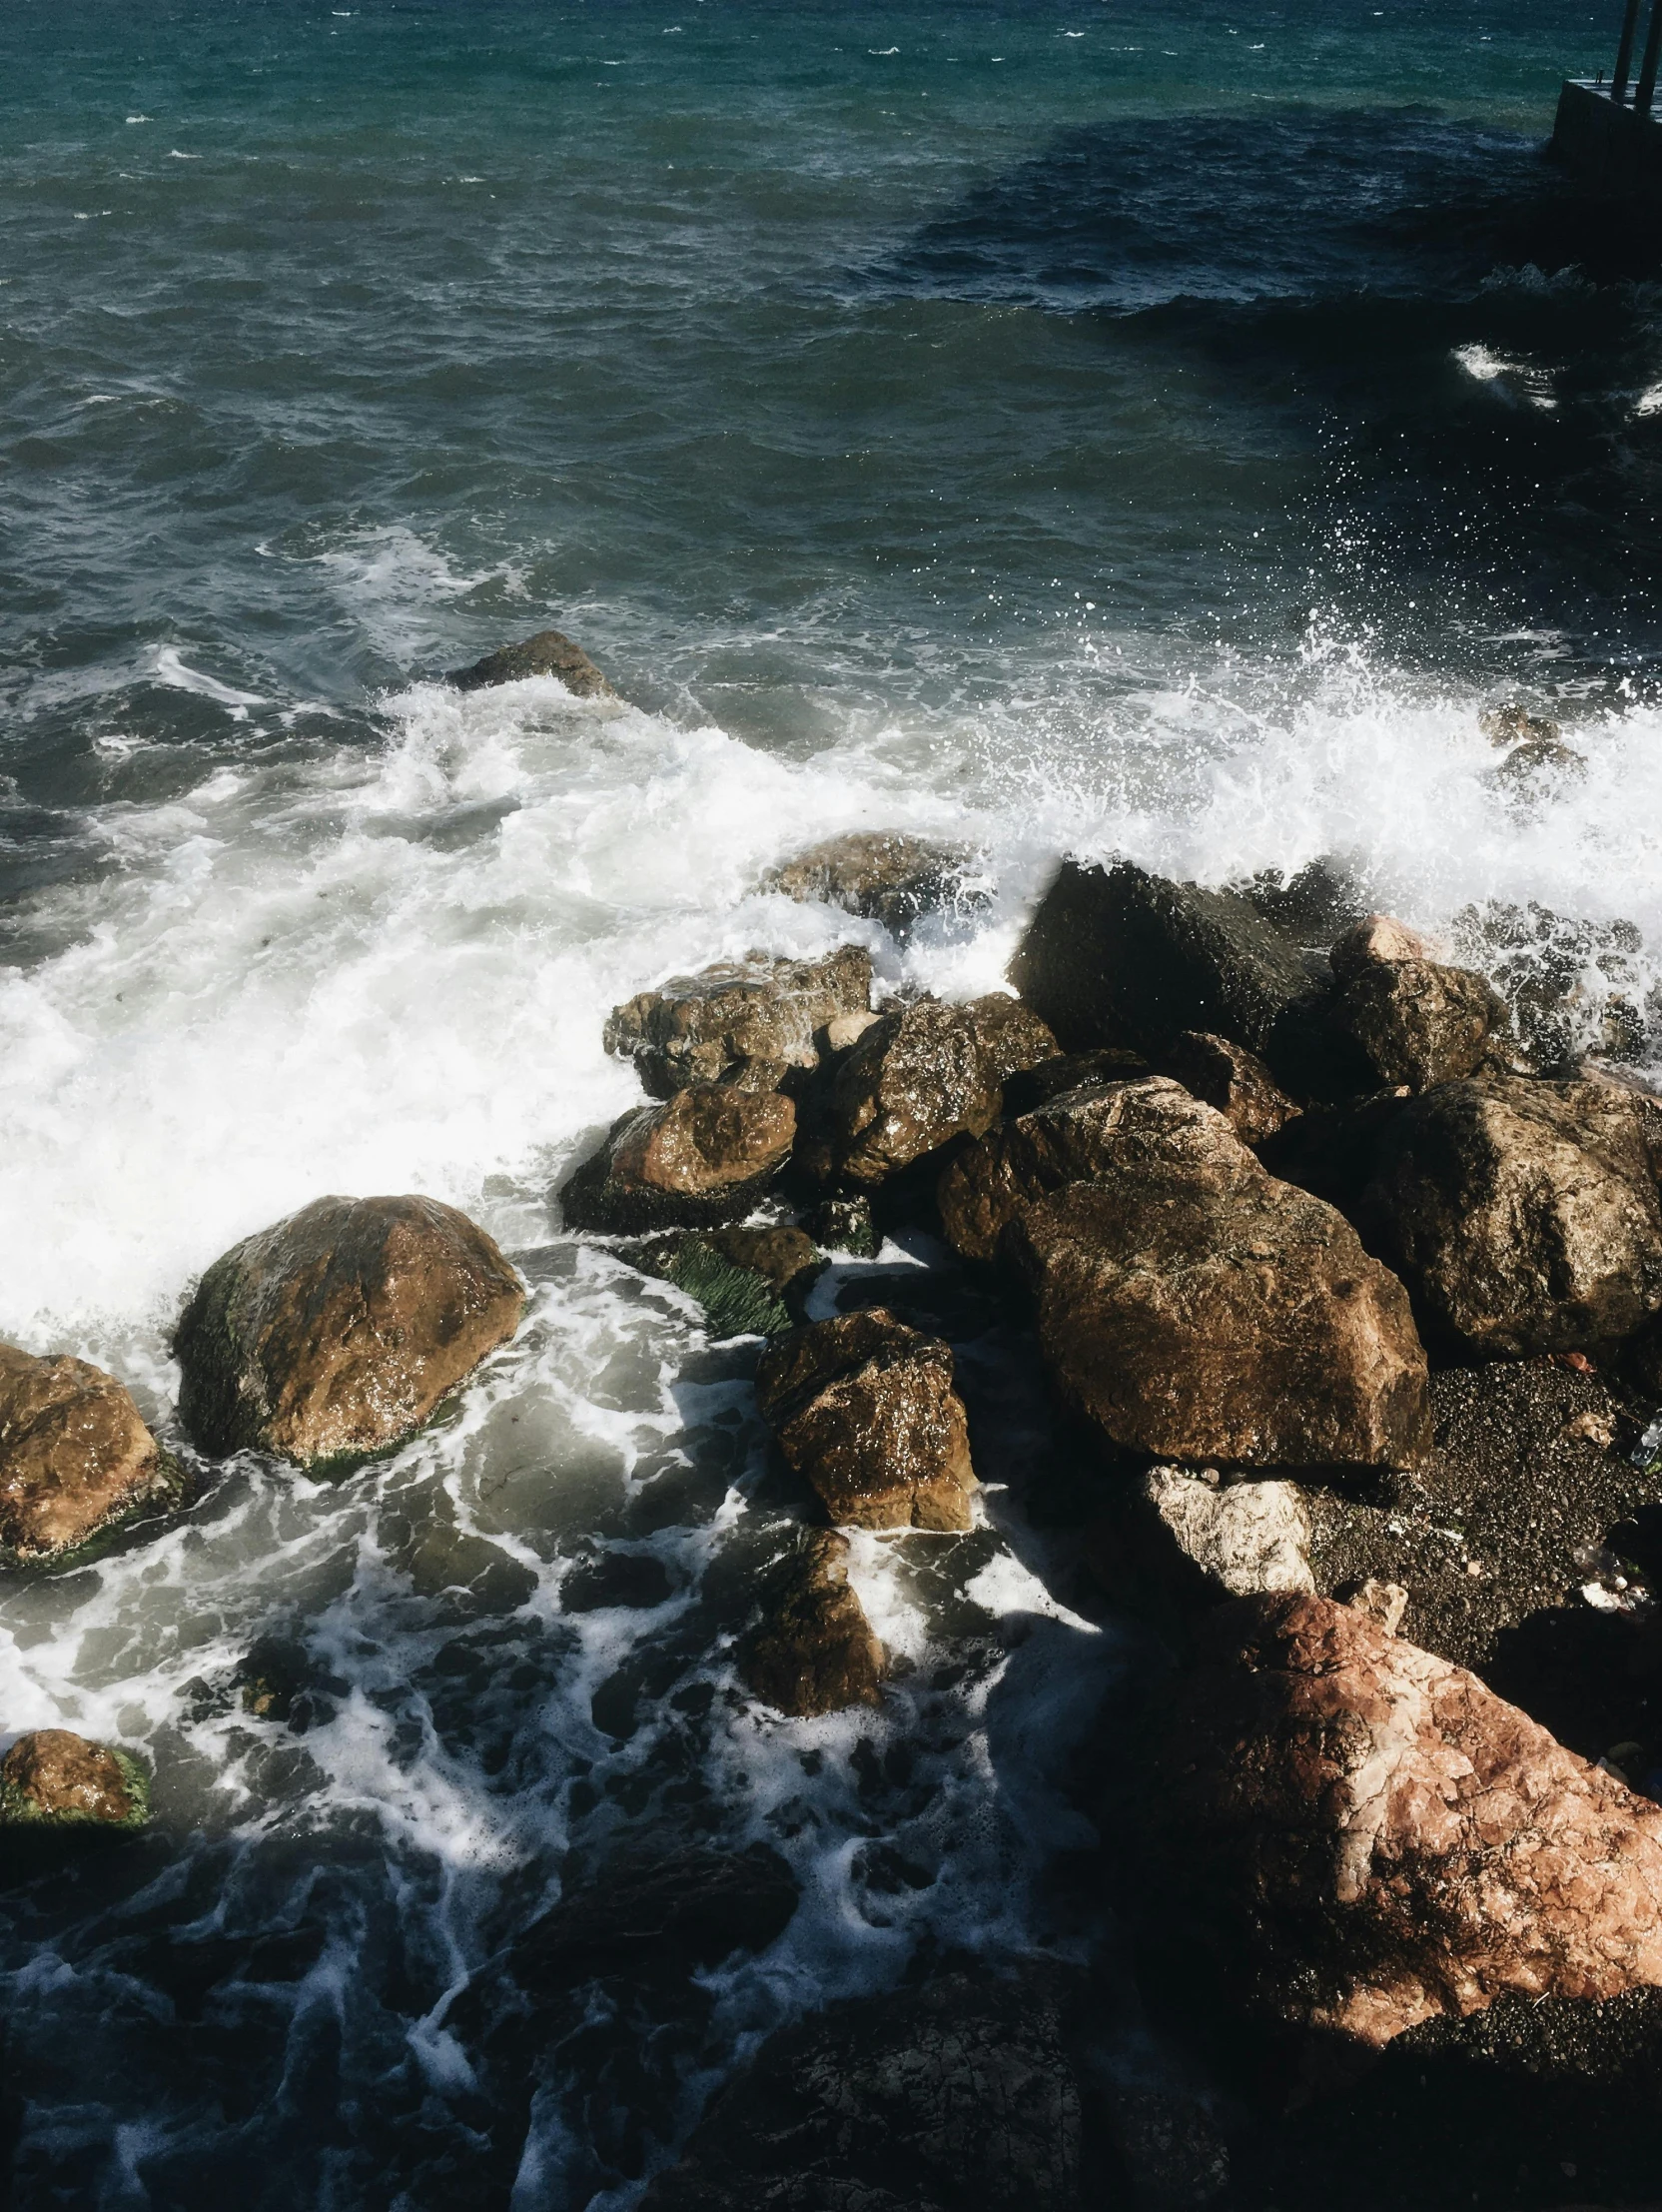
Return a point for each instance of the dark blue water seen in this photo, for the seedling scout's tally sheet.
(1116, 427)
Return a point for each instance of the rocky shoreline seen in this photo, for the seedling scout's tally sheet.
(1346, 1282)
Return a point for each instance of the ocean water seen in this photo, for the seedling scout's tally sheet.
(1112, 428)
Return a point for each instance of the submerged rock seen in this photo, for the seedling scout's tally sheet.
(757, 1023)
(864, 1407)
(1235, 1081)
(651, 1920)
(549, 654)
(1573, 985)
(924, 1074)
(75, 1455)
(704, 1158)
(338, 1332)
(1357, 1835)
(1194, 1308)
(814, 1650)
(748, 1281)
(1116, 956)
(844, 1225)
(1523, 1215)
(961, 2096)
(884, 875)
(58, 1778)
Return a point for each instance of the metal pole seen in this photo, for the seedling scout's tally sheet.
(1646, 86)
(1624, 52)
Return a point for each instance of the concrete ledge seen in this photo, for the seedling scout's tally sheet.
(1608, 147)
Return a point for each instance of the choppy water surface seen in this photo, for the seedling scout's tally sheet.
(1122, 427)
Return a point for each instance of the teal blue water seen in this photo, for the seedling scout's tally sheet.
(1104, 427)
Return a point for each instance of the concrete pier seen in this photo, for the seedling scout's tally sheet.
(1610, 144)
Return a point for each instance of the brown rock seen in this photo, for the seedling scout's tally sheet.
(885, 875)
(1523, 1215)
(74, 1454)
(785, 1258)
(549, 653)
(1070, 1071)
(814, 1650)
(1418, 1023)
(756, 1022)
(1194, 1308)
(1012, 1037)
(1234, 1080)
(340, 1331)
(1365, 1837)
(916, 1079)
(702, 1158)
(865, 1408)
(54, 1774)
(1513, 722)
(1377, 941)
(1107, 1128)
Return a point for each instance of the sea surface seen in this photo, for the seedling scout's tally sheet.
(1096, 426)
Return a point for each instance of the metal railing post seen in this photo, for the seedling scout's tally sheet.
(1645, 90)
(1624, 52)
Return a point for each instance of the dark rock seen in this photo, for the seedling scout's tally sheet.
(750, 1282)
(340, 1331)
(1234, 1080)
(634, 1580)
(1574, 986)
(56, 1779)
(961, 2096)
(1511, 723)
(1522, 1215)
(1359, 1837)
(1107, 1128)
(650, 1919)
(916, 1079)
(1418, 1022)
(814, 1650)
(844, 1225)
(1012, 1039)
(1033, 1087)
(704, 1158)
(757, 1023)
(1194, 1308)
(1310, 907)
(882, 875)
(865, 1408)
(549, 654)
(936, 1300)
(75, 1455)
(1117, 956)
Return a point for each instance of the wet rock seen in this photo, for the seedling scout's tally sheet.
(704, 1158)
(633, 1580)
(549, 654)
(756, 1023)
(884, 875)
(961, 2096)
(750, 1282)
(1523, 1215)
(915, 1080)
(1234, 1080)
(55, 1777)
(1116, 956)
(814, 1650)
(1542, 760)
(1310, 906)
(651, 1920)
(1036, 1086)
(1103, 1129)
(865, 1408)
(1573, 985)
(1363, 1836)
(1194, 1308)
(75, 1456)
(1512, 723)
(844, 1225)
(1012, 1037)
(1377, 941)
(340, 1330)
(1418, 1022)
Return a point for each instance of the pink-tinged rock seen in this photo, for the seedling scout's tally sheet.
(1360, 1836)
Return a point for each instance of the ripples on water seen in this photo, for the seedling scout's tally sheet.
(1166, 445)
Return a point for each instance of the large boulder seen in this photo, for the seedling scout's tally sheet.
(1355, 1837)
(1194, 1308)
(814, 1650)
(865, 1408)
(1523, 1215)
(1101, 1128)
(55, 1777)
(961, 2096)
(340, 1331)
(885, 876)
(1413, 1020)
(757, 1023)
(702, 1158)
(922, 1075)
(1116, 956)
(75, 1455)
(549, 654)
